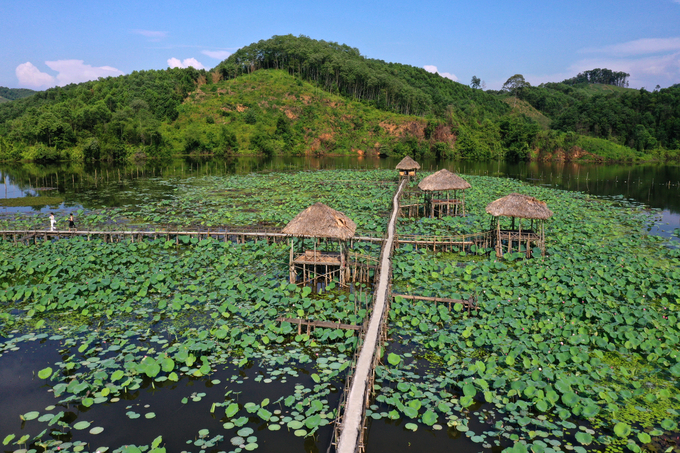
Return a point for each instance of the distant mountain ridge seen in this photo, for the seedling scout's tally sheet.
(11, 94)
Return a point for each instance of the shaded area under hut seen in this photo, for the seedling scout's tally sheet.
(519, 207)
(441, 194)
(407, 168)
(319, 248)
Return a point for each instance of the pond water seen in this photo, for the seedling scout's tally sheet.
(100, 185)
(90, 187)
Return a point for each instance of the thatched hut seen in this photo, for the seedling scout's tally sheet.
(520, 207)
(407, 168)
(439, 199)
(329, 231)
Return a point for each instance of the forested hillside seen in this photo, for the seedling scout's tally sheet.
(638, 119)
(11, 94)
(295, 95)
(272, 112)
(107, 118)
(343, 70)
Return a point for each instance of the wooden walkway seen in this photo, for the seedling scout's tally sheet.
(238, 236)
(310, 324)
(448, 243)
(351, 420)
(428, 242)
(470, 304)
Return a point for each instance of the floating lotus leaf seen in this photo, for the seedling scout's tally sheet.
(81, 425)
(622, 429)
(584, 438)
(31, 415)
(45, 373)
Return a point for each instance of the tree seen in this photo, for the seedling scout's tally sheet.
(476, 82)
(515, 84)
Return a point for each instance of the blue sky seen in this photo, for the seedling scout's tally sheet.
(47, 43)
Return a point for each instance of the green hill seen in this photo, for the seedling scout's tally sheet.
(523, 108)
(295, 95)
(11, 94)
(341, 69)
(270, 111)
(639, 119)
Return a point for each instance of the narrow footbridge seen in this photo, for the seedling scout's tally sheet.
(351, 419)
(236, 234)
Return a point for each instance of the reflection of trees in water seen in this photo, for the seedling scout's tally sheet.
(94, 185)
(652, 184)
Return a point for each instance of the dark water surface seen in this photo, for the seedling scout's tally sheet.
(94, 186)
(102, 185)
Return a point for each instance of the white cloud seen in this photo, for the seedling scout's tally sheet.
(30, 76)
(156, 35)
(644, 46)
(220, 54)
(68, 71)
(75, 71)
(434, 70)
(177, 63)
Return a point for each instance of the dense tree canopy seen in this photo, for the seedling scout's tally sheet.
(636, 118)
(141, 113)
(341, 69)
(102, 116)
(603, 76)
(11, 94)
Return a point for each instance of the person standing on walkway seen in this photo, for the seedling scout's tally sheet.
(53, 221)
(71, 223)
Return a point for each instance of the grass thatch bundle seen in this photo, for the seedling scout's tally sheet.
(521, 206)
(443, 180)
(408, 164)
(320, 221)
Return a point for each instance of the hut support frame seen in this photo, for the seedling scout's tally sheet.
(513, 239)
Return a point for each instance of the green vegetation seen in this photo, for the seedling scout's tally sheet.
(638, 119)
(600, 76)
(158, 313)
(10, 94)
(579, 349)
(272, 112)
(341, 69)
(295, 95)
(581, 344)
(36, 202)
(271, 199)
(111, 118)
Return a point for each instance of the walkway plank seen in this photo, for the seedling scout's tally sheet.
(325, 324)
(352, 419)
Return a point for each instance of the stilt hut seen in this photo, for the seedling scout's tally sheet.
(441, 194)
(407, 168)
(520, 208)
(318, 248)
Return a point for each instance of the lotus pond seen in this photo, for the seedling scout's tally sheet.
(123, 343)
(258, 199)
(155, 345)
(577, 351)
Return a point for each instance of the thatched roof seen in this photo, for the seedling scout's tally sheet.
(443, 180)
(408, 164)
(518, 205)
(320, 221)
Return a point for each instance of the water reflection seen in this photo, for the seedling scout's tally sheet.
(98, 185)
